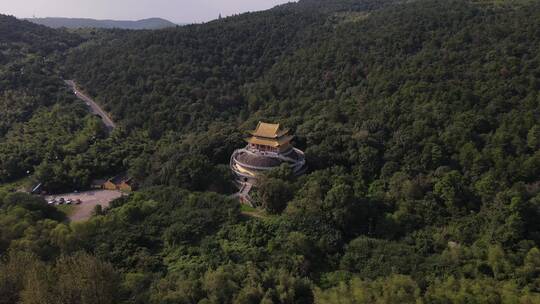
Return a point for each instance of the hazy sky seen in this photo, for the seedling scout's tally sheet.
(174, 10)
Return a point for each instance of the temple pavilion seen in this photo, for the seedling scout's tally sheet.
(268, 147)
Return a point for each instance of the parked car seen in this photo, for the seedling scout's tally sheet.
(69, 202)
(51, 202)
(61, 201)
(78, 202)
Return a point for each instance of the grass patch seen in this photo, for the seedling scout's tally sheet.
(66, 209)
(246, 208)
(345, 17)
(254, 212)
(16, 185)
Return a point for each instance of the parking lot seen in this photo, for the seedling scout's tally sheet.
(88, 201)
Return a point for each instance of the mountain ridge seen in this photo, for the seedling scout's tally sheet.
(74, 23)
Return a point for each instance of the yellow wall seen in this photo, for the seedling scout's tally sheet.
(109, 186)
(124, 187)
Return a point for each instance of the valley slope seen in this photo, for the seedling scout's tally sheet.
(420, 123)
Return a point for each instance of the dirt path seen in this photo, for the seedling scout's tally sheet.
(90, 200)
(94, 107)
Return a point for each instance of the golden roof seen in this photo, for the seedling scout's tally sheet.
(268, 130)
(270, 142)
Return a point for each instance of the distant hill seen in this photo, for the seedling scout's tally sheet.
(21, 38)
(144, 24)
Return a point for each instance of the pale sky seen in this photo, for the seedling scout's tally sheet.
(178, 11)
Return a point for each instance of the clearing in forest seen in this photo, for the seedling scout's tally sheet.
(89, 200)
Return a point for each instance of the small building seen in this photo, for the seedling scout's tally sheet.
(120, 182)
(98, 183)
(268, 147)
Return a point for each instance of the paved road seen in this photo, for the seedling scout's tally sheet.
(94, 107)
(89, 200)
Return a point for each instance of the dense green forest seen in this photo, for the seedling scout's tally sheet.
(421, 126)
(25, 69)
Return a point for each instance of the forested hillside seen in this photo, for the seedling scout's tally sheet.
(45, 133)
(421, 126)
(24, 69)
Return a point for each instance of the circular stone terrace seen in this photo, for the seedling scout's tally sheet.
(246, 164)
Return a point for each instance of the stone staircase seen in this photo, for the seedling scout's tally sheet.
(243, 194)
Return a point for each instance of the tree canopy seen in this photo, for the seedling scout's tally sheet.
(420, 123)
